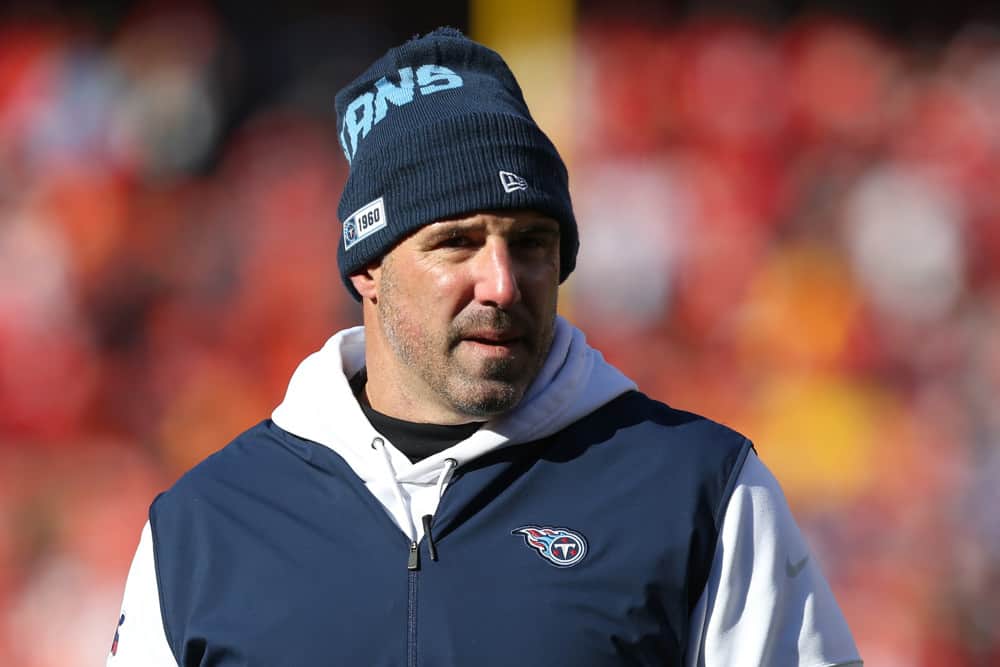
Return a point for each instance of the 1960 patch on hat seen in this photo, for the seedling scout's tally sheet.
(364, 222)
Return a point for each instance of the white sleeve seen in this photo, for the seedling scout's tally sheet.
(766, 601)
(140, 640)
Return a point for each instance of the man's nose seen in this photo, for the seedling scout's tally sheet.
(496, 275)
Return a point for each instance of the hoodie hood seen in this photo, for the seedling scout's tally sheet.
(320, 406)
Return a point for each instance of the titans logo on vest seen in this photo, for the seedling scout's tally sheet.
(366, 110)
(561, 547)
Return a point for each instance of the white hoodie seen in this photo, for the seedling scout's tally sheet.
(761, 566)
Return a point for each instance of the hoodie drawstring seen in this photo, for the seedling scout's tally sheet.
(379, 443)
(431, 549)
(449, 467)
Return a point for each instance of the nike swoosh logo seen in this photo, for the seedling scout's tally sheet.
(793, 570)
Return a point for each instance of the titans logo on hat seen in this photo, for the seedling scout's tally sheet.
(561, 547)
(350, 233)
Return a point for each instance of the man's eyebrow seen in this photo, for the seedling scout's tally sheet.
(448, 229)
(539, 227)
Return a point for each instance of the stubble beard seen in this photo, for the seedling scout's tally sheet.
(495, 385)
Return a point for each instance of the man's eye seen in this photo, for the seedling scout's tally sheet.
(457, 242)
(534, 241)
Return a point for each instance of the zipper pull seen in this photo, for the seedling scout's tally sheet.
(414, 561)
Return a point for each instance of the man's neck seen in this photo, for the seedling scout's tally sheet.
(416, 440)
(382, 393)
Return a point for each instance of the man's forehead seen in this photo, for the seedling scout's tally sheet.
(502, 219)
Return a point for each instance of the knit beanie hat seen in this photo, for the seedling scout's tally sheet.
(434, 129)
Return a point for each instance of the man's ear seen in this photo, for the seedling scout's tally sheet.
(366, 282)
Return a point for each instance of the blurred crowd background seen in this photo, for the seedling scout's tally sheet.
(790, 221)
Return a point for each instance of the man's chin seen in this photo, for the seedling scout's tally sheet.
(491, 386)
(485, 397)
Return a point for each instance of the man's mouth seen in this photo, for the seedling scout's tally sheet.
(493, 337)
(495, 344)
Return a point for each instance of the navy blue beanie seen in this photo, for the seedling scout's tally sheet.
(434, 129)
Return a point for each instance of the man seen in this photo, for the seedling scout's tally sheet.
(462, 480)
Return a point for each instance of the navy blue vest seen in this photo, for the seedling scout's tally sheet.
(272, 552)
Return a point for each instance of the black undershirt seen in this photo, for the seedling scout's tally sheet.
(416, 441)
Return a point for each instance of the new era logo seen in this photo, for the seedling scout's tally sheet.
(512, 182)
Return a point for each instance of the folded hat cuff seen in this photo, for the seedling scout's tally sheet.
(452, 167)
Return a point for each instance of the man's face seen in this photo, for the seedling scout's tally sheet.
(467, 309)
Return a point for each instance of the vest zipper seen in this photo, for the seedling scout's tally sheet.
(413, 562)
(411, 616)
